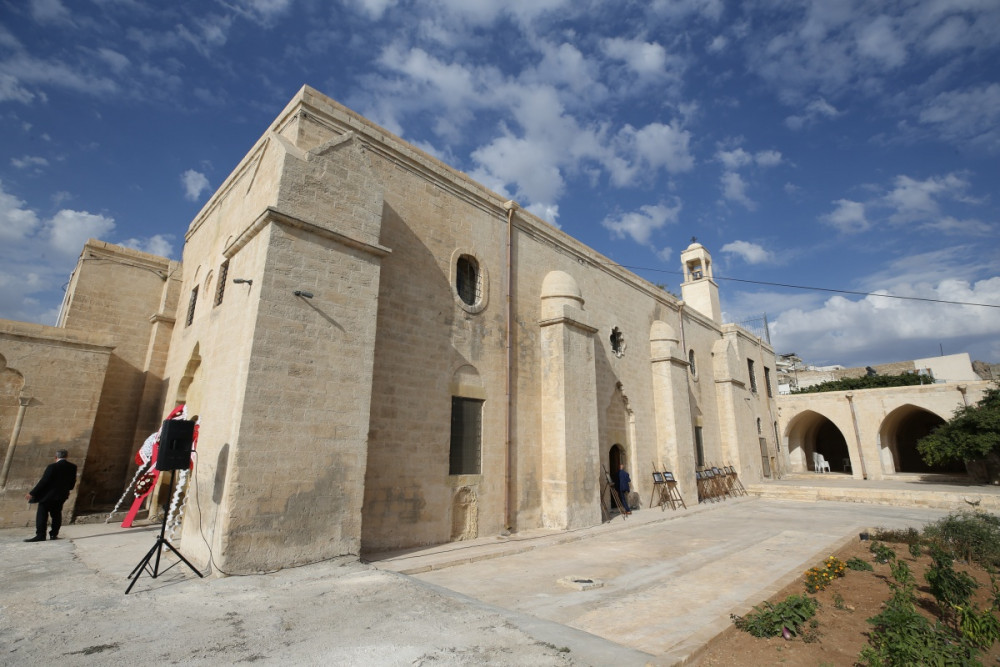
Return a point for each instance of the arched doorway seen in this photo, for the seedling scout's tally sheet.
(616, 456)
(900, 432)
(811, 432)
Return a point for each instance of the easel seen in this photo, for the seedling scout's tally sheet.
(613, 492)
(673, 492)
(661, 490)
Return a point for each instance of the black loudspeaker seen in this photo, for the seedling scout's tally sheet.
(176, 438)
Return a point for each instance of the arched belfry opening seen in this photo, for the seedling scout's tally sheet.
(898, 436)
(812, 433)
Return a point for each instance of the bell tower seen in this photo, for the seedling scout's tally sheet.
(698, 289)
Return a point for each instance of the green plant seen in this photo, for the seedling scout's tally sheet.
(838, 601)
(972, 434)
(971, 536)
(864, 382)
(771, 620)
(901, 573)
(915, 549)
(952, 590)
(982, 628)
(855, 563)
(818, 578)
(902, 637)
(881, 552)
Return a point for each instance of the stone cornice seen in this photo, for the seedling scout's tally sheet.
(272, 215)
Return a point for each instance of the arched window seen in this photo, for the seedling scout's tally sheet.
(468, 282)
(617, 342)
(693, 368)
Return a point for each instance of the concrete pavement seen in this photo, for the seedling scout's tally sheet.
(650, 589)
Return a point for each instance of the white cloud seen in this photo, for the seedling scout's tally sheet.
(878, 40)
(29, 162)
(16, 221)
(644, 58)
(158, 244)
(68, 230)
(658, 145)
(813, 112)
(734, 159)
(875, 329)
(913, 200)
(751, 253)
(734, 188)
(11, 89)
(49, 11)
(530, 166)
(769, 158)
(678, 9)
(718, 44)
(116, 61)
(194, 184)
(848, 217)
(640, 225)
(970, 115)
(265, 10)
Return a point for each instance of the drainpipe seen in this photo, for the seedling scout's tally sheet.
(510, 207)
(9, 457)
(857, 435)
(965, 399)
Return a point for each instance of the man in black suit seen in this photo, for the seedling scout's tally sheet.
(50, 493)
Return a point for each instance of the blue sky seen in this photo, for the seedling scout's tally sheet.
(845, 145)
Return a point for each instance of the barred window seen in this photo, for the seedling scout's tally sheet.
(468, 281)
(191, 305)
(753, 376)
(466, 436)
(220, 287)
(767, 381)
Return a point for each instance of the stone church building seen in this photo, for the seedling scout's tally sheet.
(382, 354)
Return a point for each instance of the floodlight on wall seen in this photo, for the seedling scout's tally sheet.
(306, 295)
(242, 281)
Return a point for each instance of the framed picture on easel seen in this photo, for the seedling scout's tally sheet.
(658, 478)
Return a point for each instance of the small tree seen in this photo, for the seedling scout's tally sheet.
(972, 435)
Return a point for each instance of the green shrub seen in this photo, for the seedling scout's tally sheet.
(770, 620)
(981, 628)
(882, 553)
(855, 563)
(971, 536)
(949, 588)
(902, 637)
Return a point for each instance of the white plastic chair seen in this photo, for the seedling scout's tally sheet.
(820, 464)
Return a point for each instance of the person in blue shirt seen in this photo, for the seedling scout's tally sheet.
(624, 483)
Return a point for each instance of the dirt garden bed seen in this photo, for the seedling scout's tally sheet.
(841, 628)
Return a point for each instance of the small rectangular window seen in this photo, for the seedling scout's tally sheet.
(753, 376)
(699, 449)
(466, 436)
(767, 381)
(191, 305)
(220, 287)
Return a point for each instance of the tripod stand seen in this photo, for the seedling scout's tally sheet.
(157, 549)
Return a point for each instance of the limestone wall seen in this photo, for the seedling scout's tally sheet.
(130, 296)
(326, 422)
(52, 378)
